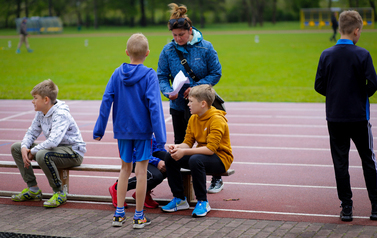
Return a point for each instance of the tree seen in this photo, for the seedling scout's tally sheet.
(143, 19)
(273, 11)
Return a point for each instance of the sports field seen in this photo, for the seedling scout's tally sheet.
(280, 68)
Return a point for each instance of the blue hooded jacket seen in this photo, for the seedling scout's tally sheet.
(133, 90)
(202, 59)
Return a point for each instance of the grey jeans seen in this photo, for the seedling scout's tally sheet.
(50, 161)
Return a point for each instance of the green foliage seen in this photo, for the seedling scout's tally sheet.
(280, 68)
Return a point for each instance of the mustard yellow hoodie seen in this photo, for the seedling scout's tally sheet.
(211, 130)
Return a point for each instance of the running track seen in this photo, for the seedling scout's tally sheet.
(282, 161)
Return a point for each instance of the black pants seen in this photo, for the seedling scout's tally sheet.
(333, 37)
(180, 120)
(198, 164)
(361, 134)
(154, 175)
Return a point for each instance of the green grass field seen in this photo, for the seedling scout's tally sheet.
(280, 68)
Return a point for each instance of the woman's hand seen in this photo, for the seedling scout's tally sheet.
(186, 93)
(173, 97)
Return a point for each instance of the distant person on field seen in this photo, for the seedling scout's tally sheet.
(334, 25)
(134, 94)
(23, 37)
(156, 173)
(347, 78)
(63, 147)
(201, 57)
(207, 127)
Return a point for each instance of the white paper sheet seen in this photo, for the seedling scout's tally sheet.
(178, 82)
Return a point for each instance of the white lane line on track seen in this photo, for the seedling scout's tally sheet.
(226, 183)
(17, 115)
(235, 162)
(283, 213)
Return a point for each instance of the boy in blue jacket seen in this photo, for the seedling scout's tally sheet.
(133, 91)
(346, 76)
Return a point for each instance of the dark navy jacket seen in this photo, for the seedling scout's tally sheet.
(346, 76)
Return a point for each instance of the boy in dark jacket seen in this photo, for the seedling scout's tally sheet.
(347, 78)
(134, 93)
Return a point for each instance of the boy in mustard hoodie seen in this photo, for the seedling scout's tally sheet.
(213, 154)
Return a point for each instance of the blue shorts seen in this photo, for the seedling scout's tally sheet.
(134, 150)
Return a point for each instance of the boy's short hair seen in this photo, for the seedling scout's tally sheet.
(137, 45)
(349, 21)
(46, 88)
(203, 92)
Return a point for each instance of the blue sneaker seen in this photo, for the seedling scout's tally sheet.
(201, 209)
(30, 50)
(175, 205)
(18, 51)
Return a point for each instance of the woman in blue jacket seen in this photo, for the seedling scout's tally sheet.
(201, 58)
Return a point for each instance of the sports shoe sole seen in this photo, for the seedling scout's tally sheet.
(54, 205)
(216, 190)
(139, 226)
(181, 207)
(118, 223)
(31, 200)
(203, 214)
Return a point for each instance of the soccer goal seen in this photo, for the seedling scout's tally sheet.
(320, 18)
(41, 25)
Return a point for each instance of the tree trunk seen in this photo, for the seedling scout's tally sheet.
(26, 8)
(143, 20)
(247, 12)
(254, 12)
(372, 5)
(357, 3)
(18, 12)
(95, 10)
(152, 7)
(330, 1)
(50, 8)
(350, 3)
(260, 11)
(274, 11)
(201, 12)
(79, 19)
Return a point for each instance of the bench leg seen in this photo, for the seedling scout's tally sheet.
(188, 188)
(64, 177)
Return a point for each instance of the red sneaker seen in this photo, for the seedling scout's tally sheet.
(113, 194)
(149, 202)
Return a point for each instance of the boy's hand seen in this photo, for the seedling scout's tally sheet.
(98, 138)
(177, 154)
(25, 157)
(172, 148)
(161, 166)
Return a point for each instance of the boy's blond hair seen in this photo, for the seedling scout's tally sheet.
(203, 92)
(137, 46)
(46, 88)
(349, 21)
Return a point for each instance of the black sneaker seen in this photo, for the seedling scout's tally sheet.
(216, 185)
(346, 213)
(373, 216)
